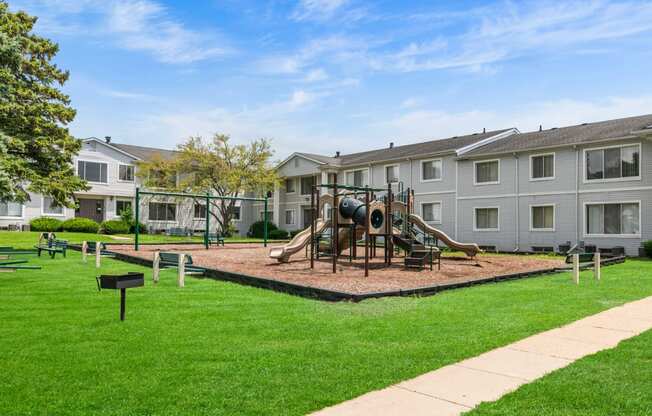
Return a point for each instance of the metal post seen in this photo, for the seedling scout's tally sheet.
(208, 216)
(137, 230)
(335, 225)
(123, 301)
(366, 236)
(312, 227)
(265, 224)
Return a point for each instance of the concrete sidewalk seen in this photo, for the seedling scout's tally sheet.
(460, 387)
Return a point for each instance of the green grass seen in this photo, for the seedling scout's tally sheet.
(611, 382)
(218, 348)
(28, 239)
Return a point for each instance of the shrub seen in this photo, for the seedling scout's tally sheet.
(80, 225)
(45, 224)
(115, 227)
(294, 233)
(142, 229)
(278, 234)
(647, 246)
(256, 230)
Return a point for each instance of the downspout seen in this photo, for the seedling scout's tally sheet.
(518, 205)
(457, 170)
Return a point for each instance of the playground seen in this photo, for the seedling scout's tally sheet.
(253, 260)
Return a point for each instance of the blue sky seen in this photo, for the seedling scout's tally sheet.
(326, 75)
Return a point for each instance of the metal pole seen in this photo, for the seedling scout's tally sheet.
(265, 224)
(123, 301)
(312, 227)
(366, 236)
(335, 225)
(137, 230)
(208, 219)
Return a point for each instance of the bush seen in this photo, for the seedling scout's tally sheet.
(294, 233)
(647, 246)
(278, 234)
(80, 225)
(45, 224)
(142, 229)
(115, 227)
(257, 229)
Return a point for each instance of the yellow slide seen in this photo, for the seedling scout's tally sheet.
(470, 249)
(283, 253)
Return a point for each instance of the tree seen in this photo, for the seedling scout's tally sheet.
(217, 167)
(36, 149)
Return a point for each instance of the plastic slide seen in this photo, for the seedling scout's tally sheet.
(283, 253)
(345, 239)
(470, 249)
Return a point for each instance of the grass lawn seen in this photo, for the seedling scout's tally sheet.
(219, 348)
(28, 239)
(612, 382)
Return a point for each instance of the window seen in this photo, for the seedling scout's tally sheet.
(613, 163)
(50, 207)
(162, 211)
(306, 184)
(235, 213)
(126, 173)
(487, 172)
(92, 171)
(542, 218)
(289, 186)
(431, 170)
(542, 166)
(121, 205)
(11, 209)
(431, 211)
(289, 217)
(486, 219)
(391, 174)
(613, 219)
(200, 211)
(357, 177)
(270, 215)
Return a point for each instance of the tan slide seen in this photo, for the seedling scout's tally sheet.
(283, 253)
(470, 249)
(344, 239)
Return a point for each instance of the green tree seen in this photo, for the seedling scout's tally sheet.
(214, 166)
(36, 149)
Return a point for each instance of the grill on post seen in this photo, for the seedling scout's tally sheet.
(122, 282)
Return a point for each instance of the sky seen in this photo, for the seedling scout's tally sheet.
(322, 76)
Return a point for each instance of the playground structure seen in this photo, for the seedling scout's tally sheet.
(350, 213)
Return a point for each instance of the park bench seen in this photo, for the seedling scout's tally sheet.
(103, 250)
(52, 247)
(177, 232)
(215, 238)
(172, 260)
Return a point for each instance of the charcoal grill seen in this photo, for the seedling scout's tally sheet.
(122, 282)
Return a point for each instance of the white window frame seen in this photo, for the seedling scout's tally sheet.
(115, 205)
(94, 161)
(270, 215)
(545, 178)
(475, 220)
(554, 219)
(12, 217)
(294, 217)
(46, 214)
(294, 181)
(397, 166)
(239, 219)
(176, 213)
(441, 163)
(193, 211)
(122, 180)
(441, 211)
(359, 169)
(475, 173)
(314, 180)
(585, 174)
(584, 219)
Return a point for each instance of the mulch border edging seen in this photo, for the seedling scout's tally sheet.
(335, 296)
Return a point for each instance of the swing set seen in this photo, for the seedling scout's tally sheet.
(206, 197)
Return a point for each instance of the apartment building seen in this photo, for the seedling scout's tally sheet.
(503, 189)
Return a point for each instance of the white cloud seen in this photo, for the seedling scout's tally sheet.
(137, 25)
(317, 9)
(412, 102)
(316, 75)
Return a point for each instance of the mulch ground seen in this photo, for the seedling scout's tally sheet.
(253, 260)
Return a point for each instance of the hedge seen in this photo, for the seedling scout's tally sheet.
(80, 225)
(256, 230)
(45, 224)
(115, 227)
(278, 234)
(647, 247)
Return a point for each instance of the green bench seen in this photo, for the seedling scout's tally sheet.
(169, 260)
(52, 247)
(91, 248)
(215, 238)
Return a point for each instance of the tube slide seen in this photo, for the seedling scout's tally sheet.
(283, 253)
(470, 249)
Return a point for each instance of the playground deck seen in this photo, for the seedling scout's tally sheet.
(253, 260)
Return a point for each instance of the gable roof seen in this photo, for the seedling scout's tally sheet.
(145, 153)
(568, 136)
(431, 147)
